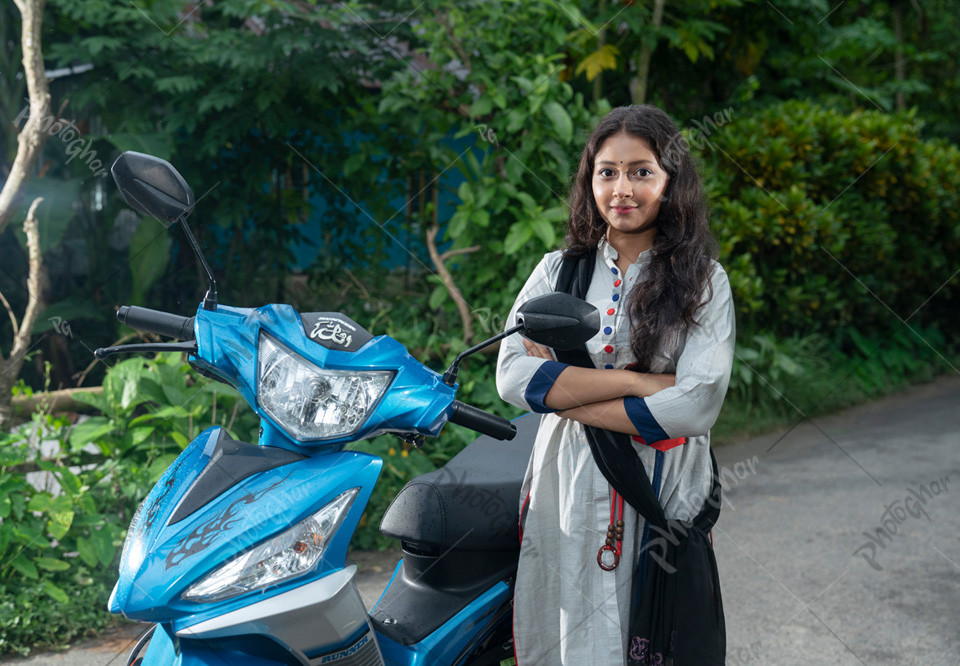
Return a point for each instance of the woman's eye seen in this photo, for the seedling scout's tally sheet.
(643, 173)
(605, 173)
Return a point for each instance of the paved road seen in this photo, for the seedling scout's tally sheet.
(802, 581)
(839, 541)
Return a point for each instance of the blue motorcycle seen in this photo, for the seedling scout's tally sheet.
(238, 555)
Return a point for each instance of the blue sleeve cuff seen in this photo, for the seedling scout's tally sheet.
(643, 420)
(540, 385)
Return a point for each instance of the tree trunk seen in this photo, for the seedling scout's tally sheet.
(29, 144)
(56, 402)
(10, 367)
(601, 42)
(34, 134)
(638, 86)
(899, 64)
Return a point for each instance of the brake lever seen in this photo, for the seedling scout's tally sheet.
(187, 347)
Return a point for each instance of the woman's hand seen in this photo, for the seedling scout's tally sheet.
(646, 384)
(538, 350)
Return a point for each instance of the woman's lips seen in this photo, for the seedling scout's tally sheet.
(622, 210)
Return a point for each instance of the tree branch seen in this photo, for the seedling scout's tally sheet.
(446, 277)
(10, 368)
(13, 317)
(31, 139)
(454, 42)
(56, 402)
(463, 250)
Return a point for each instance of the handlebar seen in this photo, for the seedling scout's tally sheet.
(155, 321)
(483, 422)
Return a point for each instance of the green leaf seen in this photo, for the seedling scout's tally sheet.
(95, 400)
(87, 552)
(517, 237)
(353, 163)
(89, 431)
(158, 145)
(55, 213)
(102, 543)
(40, 502)
(54, 592)
(136, 436)
(50, 564)
(545, 231)
(437, 297)
(149, 254)
(515, 120)
(24, 566)
(481, 107)
(59, 523)
(69, 481)
(560, 119)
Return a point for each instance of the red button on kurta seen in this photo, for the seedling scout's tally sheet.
(608, 349)
(610, 311)
(616, 283)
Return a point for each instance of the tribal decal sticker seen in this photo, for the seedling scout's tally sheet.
(207, 534)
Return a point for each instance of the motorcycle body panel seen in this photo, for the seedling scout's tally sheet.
(221, 498)
(161, 559)
(227, 341)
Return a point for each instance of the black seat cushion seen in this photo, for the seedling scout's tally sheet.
(472, 502)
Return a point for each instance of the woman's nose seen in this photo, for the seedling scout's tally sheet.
(622, 188)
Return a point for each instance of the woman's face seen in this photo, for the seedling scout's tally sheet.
(628, 183)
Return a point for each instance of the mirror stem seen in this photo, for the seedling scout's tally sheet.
(210, 298)
(450, 376)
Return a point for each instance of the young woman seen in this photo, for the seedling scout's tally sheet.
(597, 582)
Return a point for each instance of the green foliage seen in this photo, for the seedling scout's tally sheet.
(61, 533)
(777, 382)
(828, 219)
(492, 109)
(31, 617)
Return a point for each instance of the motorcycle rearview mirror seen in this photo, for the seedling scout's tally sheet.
(557, 320)
(153, 187)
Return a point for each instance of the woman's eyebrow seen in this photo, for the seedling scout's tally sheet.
(629, 163)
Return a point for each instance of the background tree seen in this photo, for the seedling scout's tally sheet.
(29, 143)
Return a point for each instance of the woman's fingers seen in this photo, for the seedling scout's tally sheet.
(538, 350)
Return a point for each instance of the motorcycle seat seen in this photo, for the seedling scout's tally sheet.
(472, 502)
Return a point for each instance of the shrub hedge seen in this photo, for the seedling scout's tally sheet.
(828, 219)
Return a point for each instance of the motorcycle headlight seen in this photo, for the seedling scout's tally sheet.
(313, 403)
(287, 555)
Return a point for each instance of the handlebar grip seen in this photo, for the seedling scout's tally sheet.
(481, 421)
(155, 321)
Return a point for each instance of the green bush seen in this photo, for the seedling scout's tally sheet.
(778, 382)
(829, 219)
(62, 542)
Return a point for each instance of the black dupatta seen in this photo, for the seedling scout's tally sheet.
(678, 620)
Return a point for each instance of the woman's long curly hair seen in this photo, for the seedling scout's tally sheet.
(677, 280)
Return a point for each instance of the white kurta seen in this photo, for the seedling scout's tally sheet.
(566, 609)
